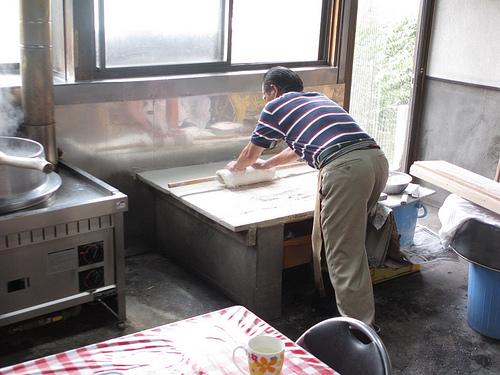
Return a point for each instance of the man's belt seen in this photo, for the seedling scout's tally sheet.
(328, 153)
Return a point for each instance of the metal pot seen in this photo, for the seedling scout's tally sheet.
(24, 174)
(397, 183)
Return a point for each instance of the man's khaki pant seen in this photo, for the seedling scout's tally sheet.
(348, 188)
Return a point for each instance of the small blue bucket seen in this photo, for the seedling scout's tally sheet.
(483, 301)
(406, 220)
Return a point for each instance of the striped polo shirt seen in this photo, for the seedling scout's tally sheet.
(310, 123)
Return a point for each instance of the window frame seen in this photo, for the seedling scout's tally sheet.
(103, 72)
(80, 56)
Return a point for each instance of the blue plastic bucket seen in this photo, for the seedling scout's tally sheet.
(483, 302)
(406, 220)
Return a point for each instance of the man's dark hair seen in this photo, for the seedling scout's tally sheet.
(283, 78)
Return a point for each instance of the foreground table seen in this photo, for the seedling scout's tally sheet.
(199, 345)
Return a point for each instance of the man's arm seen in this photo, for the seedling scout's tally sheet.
(248, 157)
(284, 157)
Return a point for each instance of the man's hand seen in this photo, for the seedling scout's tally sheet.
(231, 166)
(261, 164)
(247, 157)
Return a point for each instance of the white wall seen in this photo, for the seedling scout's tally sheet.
(465, 42)
(461, 107)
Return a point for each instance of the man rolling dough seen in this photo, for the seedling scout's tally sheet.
(353, 172)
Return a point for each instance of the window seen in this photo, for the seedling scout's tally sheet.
(272, 31)
(165, 32)
(382, 72)
(9, 25)
(102, 39)
(171, 36)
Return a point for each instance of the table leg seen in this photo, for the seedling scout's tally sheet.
(249, 274)
(268, 272)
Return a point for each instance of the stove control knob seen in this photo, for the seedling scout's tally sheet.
(90, 253)
(91, 279)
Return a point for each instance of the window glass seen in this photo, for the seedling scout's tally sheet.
(163, 32)
(9, 26)
(266, 31)
(382, 71)
(181, 36)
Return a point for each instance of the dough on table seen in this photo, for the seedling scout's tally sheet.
(247, 177)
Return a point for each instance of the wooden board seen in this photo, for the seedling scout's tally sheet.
(297, 251)
(291, 196)
(469, 185)
(213, 178)
(380, 275)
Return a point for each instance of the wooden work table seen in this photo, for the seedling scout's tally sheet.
(232, 238)
(290, 196)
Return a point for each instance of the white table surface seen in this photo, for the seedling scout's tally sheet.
(289, 197)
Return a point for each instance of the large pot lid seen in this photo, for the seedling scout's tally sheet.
(26, 186)
(33, 197)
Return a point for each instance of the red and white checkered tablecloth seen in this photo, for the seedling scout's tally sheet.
(199, 345)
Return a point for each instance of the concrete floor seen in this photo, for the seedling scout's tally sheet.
(423, 316)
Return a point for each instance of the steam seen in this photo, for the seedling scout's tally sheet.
(11, 115)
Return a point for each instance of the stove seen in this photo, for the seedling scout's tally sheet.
(64, 252)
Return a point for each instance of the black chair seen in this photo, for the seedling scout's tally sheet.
(347, 345)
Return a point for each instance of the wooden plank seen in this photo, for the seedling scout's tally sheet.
(497, 175)
(214, 178)
(297, 251)
(192, 182)
(469, 185)
(380, 275)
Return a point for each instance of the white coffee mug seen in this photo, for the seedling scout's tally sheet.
(265, 355)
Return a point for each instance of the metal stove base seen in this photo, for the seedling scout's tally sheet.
(63, 253)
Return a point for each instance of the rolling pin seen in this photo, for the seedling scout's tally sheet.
(217, 177)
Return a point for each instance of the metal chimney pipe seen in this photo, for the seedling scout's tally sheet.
(37, 82)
